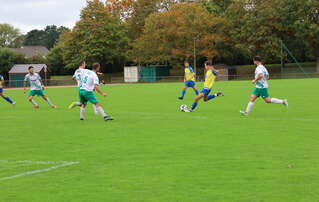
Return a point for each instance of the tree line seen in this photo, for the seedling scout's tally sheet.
(119, 32)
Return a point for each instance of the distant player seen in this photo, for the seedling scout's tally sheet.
(36, 88)
(261, 90)
(210, 77)
(1, 92)
(90, 82)
(189, 80)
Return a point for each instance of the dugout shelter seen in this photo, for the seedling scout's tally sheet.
(18, 72)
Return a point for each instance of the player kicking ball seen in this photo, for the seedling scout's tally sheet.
(210, 77)
(36, 88)
(1, 92)
(189, 80)
(261, 90)
(90, 82)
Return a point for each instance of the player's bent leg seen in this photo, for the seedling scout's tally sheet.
(250, 105)
(196, 91)
(74, 104)
(36, 106)
(267, 100)
(195, 103)
(7, 99)
(101, 111)
(48, 101)
(183, 93)
(276, 101)
(82, 111)
(209, 97)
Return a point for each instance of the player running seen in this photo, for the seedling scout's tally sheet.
(1, 92)
(36, 88)
(77, 77)
(90, 82)
(261, 90)
(210, 77)
(189, 80)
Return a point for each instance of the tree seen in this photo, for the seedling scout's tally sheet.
(10, 36)
(55, 61)
(97, 37)
(9, 58)
(120, 8)
(256, 27)
(171, 34)
(141, 10)
(307, 27)
(46, 37)
(217, 7)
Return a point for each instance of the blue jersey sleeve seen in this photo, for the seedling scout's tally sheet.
(214, 72)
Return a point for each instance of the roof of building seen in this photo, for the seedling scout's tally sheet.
(23, 68)
(31, 51)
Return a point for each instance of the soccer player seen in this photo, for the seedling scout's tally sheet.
(189, 80)
(261, 90)
(1, 92)
(210, 77)
(77, 77)
(36, 88)
(90, 82)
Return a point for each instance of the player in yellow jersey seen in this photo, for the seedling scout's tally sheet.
(189, 80)
(210, 77)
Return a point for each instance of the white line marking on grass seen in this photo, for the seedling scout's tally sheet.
(38, 171)
(34, 162)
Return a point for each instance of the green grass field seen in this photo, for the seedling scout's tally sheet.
(153, 152)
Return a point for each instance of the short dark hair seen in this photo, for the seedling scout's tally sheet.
(81, 63)
(257, 58)
(96, 66)
(30, 67)
(208, 63)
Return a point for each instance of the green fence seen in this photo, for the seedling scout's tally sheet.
(154, 73)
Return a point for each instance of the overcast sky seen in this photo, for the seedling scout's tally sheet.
(36, 14)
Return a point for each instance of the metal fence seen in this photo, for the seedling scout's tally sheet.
(120, 80)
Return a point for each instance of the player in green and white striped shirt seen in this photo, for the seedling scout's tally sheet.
(261, 90)
(36, 87)
(90, 83)
(77, 77)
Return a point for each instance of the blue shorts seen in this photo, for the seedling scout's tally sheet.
(1, 90)
(206, 91)
(190, 84)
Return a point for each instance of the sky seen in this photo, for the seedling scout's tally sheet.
(37, 14)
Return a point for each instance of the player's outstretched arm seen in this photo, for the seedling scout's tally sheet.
(97, 89)
(24, 87)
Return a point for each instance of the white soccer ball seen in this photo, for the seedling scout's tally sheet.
(183, 107)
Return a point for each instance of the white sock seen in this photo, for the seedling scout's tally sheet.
(82, 111)
(34, 103)
(49, 102)
(78, 104)
(277, 101)
(249, 107)
(101, 111)
(95, 110)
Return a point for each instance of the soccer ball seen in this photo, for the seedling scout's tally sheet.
(183, 107)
